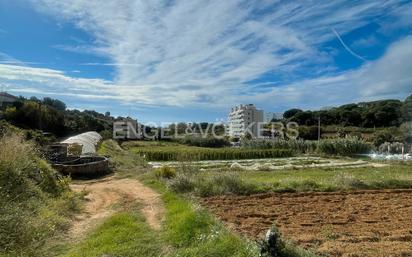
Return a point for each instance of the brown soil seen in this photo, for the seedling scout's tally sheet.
(359, 223)
(103, 196)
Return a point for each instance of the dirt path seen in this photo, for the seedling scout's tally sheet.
(103, 196)
(359, 223)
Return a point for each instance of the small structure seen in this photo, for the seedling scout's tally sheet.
(7, 100)
(86, 165)
(77, 155)
(88, 141)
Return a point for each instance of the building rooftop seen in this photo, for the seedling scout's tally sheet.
(4, 94)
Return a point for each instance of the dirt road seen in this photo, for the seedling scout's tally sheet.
(103, 196)
(360, 223)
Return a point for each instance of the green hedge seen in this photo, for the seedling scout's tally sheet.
(170, 154)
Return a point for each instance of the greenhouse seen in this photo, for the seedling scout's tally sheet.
(88, 142)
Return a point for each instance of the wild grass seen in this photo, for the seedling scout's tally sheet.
(393, 176)
(124, 234)
(35, 202)
(193, 232)
(228, 183)
(239, 182)
(123, 162)
(343, 146)
(340, 146)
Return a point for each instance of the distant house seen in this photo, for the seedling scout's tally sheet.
(7, 99)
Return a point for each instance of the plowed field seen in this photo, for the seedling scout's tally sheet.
(359, 223)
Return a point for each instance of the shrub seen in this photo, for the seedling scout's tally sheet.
(165, 172)
(182, 183)
(223, 184)
(343, 146)
(382, 136)
(210, 186)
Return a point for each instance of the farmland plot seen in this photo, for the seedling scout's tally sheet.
(357, 223)
(272, 163)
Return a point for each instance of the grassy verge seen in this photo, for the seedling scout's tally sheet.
(218, 182)
(36, 203)
(125, 234)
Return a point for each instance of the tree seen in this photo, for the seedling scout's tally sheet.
(350, 118)
(407, 109)
(57, 104)
(304, 118)
(290, 113)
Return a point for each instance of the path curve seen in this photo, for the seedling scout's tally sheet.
(103, 195)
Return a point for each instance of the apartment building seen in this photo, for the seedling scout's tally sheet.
(244, 119)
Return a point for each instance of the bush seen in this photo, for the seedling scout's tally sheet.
(308, 132)
(344, 146)
(381, 137)
(165, 172)
(182, 183)
(209, 186)
(223, 184)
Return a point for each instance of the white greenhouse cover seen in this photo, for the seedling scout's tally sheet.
(88, 140)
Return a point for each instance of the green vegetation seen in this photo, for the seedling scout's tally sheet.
(51, 115)
(340, 146)
(165, 172)
(204, 141)
(188, 230)
(383, 113)
(226, 183)
(217, 182)
(193, 232)
(125, 234)
(347, 146)
(124, 162)
(35, 202)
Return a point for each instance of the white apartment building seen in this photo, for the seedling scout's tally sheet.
(244, 118)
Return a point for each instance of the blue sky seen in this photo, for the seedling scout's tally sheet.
(192, 60)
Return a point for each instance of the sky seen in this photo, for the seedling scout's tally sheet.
(192, 60)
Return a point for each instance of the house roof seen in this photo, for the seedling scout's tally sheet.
(4, 94)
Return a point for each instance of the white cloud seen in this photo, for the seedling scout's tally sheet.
(365, 42)
(205, 52)
(388, 77)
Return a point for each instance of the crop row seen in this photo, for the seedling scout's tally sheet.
(198, 154)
